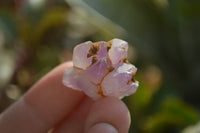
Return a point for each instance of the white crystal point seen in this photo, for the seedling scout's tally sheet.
(120, 82)
(118, 50)
(71, 78)
(101, 69)
(80, 52)
(127, 90)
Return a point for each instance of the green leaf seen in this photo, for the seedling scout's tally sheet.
(174, 115)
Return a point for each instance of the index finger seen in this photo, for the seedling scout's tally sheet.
(44, 105)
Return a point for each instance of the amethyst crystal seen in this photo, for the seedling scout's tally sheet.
(101, 69)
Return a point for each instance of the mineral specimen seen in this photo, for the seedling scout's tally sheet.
(101, 69)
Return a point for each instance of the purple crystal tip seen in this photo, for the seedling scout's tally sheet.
(102, 69)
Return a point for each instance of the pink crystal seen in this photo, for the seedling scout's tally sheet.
(101, 69)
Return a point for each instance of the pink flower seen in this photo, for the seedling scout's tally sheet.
(101, 69)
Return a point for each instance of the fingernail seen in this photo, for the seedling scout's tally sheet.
(102, 128)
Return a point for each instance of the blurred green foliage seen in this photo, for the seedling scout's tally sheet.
(36, 36)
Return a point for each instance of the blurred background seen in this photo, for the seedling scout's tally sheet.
(164, 38)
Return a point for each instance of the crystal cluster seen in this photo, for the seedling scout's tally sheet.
(101, 69)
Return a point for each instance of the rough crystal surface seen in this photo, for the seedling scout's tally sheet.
(101, 69)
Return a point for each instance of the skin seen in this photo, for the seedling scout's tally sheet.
(50, 106)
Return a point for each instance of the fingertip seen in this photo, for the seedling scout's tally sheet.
(102, 128)
(109, 110)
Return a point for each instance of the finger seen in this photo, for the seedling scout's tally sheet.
(108, 115)
(43, 106)
(75, 122)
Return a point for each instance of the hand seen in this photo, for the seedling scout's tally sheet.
(50, 105)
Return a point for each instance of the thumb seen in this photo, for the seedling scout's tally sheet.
(108, 115)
